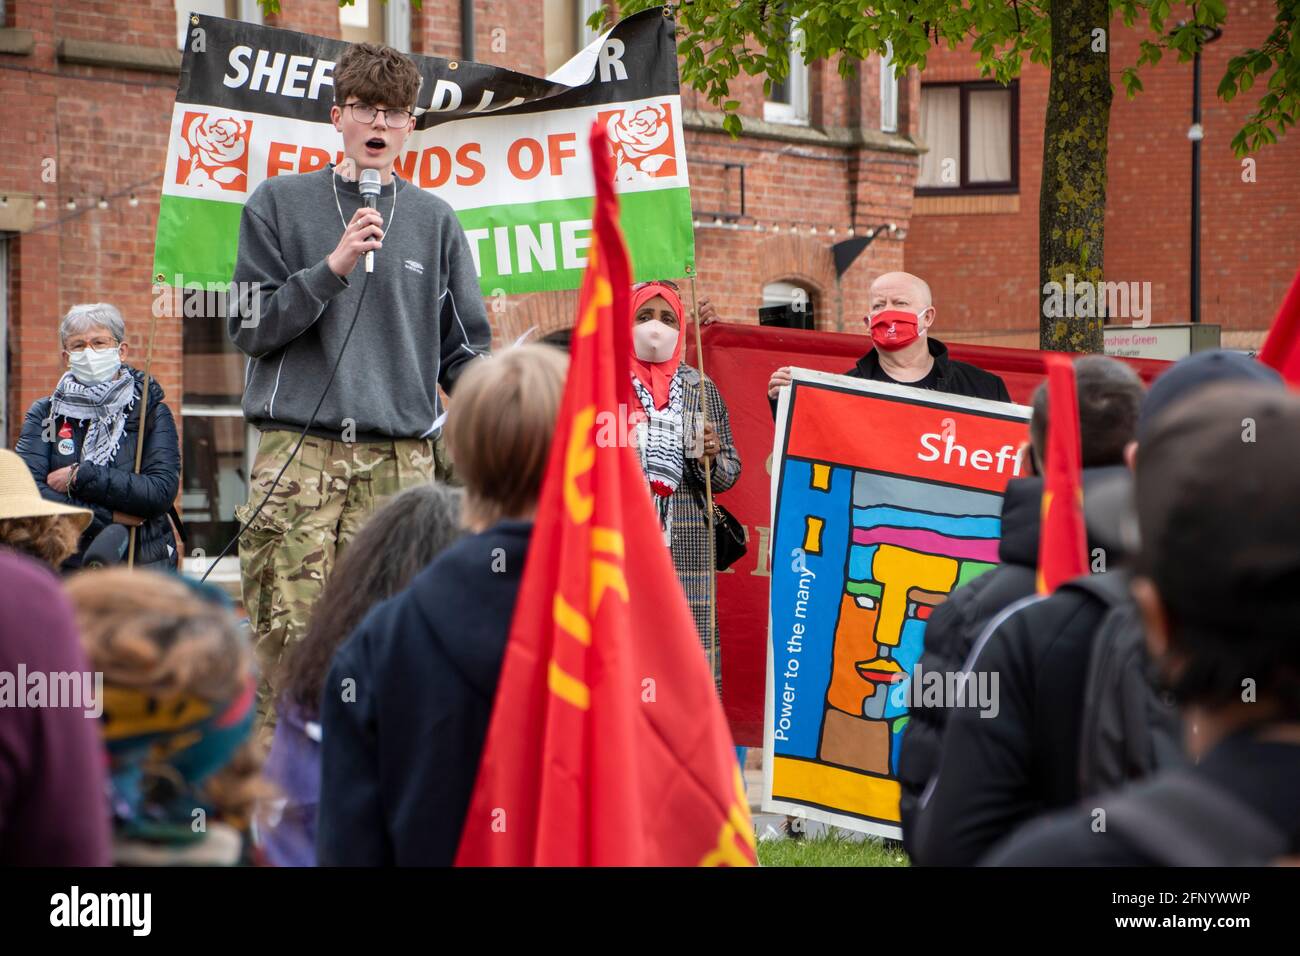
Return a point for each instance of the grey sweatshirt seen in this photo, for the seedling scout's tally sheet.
(421, 322)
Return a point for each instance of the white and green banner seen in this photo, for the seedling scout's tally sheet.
(504, 149)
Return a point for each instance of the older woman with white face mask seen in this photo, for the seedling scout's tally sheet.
(675, 446)
(80, 442)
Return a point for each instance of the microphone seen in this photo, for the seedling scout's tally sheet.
(108, 548)
(369, 187)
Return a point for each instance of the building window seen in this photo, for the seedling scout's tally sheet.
(788, 305)
(377, 21)
(362, 21)
(217, 446)
(247, 10)
(565, 30)
(888, 92)
(788, 101)
(971, 130)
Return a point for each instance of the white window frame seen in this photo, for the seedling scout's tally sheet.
(397, 24)
(246, 10)
(227, 569)
(888, 92)
(585, 34)
(795, 112)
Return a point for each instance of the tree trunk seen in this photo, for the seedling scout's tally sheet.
(1072, 200)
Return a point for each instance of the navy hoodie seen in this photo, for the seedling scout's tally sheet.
(401, 744)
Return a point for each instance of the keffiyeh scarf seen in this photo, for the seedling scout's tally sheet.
(659, 446)
(104, 405)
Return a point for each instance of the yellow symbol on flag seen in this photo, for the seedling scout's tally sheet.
(579, 458)
(605, 575)
(602, 294)
(737, 824)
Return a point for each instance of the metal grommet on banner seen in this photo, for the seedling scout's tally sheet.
(453, 65)
(159, 277)
(194, 20)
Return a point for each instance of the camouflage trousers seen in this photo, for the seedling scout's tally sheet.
(320, 503)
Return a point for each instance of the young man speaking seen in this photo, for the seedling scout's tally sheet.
(301, 240)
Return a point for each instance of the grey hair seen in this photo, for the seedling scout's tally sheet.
(83, 318)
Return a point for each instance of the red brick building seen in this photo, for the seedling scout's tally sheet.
(89, 90)
(978, 245)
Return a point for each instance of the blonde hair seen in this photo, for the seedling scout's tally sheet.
(500, 426)
(148, 631)
(49, 538)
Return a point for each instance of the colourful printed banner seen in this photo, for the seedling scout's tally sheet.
(884, 499)
(502, 148)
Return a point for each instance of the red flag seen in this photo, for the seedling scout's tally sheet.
(607, 744)
(1062, 540)
(1282, 346)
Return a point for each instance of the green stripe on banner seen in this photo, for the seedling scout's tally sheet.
(203, 235)
(201, 239)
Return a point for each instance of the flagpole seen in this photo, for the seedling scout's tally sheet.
(708, 488)
(139, 435)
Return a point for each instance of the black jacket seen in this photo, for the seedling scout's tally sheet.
(1262, 774)
(398, 763)
(999, 770)
(115, 486)
(956, 378)
(957, 622)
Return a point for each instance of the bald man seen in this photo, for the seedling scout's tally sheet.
(900, 319)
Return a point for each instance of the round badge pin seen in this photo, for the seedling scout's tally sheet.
(66, 446)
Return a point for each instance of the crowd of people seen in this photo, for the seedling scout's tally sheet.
(341, 717)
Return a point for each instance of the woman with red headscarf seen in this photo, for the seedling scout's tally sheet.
(675, 445)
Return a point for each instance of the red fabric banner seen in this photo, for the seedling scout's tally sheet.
(740, 359)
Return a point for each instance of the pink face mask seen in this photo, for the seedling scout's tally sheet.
(893, 329)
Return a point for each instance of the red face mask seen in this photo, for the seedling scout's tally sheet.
(893, 329)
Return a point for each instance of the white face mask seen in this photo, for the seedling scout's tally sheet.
(654, 341)
(91, 366)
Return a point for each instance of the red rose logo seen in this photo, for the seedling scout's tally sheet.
(214, 152)
(641, 142)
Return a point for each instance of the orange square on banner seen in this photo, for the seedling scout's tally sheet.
(642, 142)
(213, 152)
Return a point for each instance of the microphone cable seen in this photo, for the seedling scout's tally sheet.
(365, 284)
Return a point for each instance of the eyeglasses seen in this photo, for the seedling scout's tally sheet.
(365, 113)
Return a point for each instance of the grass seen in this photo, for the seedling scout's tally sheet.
(831, 850)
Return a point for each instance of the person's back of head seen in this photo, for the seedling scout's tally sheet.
(394, 544)
(177, 704)
(499, 430)
(1110, 398)
(1198, 371)
(1219, 564)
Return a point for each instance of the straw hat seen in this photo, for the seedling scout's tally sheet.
(19, 497)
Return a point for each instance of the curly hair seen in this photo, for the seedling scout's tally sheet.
(49, 538)
(378, 75)
(148, 631)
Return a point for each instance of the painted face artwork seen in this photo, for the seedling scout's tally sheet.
(894, 329)
(654, 341)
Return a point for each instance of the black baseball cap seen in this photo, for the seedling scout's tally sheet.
(1195, 372)
(1218, 497)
